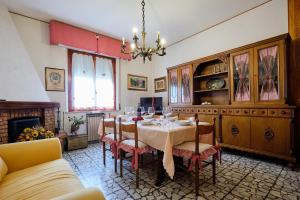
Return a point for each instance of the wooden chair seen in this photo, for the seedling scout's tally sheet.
(133, 146)
(198, 152)
(110, 138)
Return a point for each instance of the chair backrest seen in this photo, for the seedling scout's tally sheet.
(204, 129)
(191, 117)
(129, 128)
(109, 123)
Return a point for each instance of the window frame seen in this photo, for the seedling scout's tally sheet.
(70, 97)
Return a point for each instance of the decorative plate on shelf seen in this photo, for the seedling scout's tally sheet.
(215, 83)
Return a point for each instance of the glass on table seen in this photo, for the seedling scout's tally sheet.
(151, 111)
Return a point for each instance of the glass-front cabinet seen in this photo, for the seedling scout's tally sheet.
(186, 82)
(180, 85)
(257, 74)
(269, 73)
(242, 77)
(173, 86)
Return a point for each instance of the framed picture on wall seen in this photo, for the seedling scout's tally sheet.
(135, 82)
(54, 79)
(160, 84)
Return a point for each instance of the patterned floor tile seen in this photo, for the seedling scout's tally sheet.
(238, 177)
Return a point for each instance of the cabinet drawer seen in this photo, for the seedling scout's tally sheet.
(215, 111)
(209, 111)
(285, 113)
(273, 112)
(230, 111)
(245, 112)
(271, 135)
(237, 111)
(236, 130)
(259, 112)
(223, 111)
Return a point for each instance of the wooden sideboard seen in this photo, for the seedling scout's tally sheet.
(246, 88)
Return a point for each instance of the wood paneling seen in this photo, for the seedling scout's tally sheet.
(270, 135)
(294, 64)
(236, 131)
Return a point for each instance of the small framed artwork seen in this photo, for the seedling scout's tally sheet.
(160, 84)
(135, 82)
(54, 79)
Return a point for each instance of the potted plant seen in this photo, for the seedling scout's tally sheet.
(76, 123)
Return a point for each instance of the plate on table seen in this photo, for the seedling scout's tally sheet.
(147, 122)
(184, 122)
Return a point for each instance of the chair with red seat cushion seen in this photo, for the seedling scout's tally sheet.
(133, 146)
(199, 152)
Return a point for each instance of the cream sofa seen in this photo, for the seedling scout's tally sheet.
(36, 170)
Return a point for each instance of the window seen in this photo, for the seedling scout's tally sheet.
(91, 82)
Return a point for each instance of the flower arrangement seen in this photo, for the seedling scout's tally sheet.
(35, 133)
(76, 123)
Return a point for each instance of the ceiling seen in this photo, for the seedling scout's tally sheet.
(175, 19)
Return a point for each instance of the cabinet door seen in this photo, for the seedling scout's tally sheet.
(236, 131)
(241, 70)
(269, 73)
(271, 135)
(186, 84)
(173, 86)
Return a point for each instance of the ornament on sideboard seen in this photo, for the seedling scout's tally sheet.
(206, 103)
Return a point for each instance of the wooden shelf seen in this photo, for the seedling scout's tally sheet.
(214, 90)
(208, 75)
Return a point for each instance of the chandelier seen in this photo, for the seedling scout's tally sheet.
(142, 50)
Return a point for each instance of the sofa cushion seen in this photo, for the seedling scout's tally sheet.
(44, 181)
(3, 169)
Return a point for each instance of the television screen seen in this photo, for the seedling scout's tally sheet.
(156, 102)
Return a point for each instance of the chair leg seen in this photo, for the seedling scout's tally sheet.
(121, 162)
(197, 178)
(116, 162)
(137, 176)
(214, 169)
(103, 149)
(142, 161)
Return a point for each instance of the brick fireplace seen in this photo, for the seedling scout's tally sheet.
(16, 109)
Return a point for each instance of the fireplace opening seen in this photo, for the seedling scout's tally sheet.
(16, 126)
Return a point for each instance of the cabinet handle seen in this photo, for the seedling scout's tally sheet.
(234, 130)
(263, 112)
(272, 112)
(269, 134)
(246, 112)
(237, 111)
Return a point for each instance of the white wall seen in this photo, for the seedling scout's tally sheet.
(35, 37)
(135, 67)
(19, 80)
(268, 20)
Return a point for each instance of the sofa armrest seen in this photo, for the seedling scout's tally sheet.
(22, 155)
(89, 193)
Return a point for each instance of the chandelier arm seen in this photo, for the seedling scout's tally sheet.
(143, 14)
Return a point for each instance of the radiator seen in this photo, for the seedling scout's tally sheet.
(93, 121)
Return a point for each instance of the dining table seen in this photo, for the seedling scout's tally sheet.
(162, 135)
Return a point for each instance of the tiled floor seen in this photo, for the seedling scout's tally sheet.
(239, 177)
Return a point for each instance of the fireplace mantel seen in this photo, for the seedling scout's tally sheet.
(20, 109)
(15, 105)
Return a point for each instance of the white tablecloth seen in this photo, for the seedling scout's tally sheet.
(164, 137)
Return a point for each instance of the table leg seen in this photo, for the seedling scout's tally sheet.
(160, 171)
